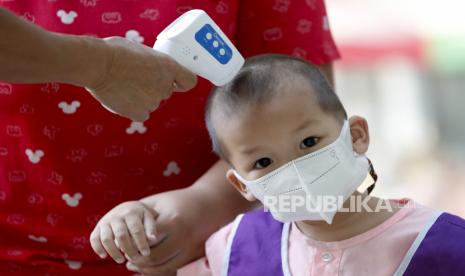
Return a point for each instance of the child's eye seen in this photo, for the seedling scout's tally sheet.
(309, 142)
(262, 163)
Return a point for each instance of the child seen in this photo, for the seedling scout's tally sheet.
(290, 145)
(286, 135)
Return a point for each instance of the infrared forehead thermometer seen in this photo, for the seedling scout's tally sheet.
(197, 43)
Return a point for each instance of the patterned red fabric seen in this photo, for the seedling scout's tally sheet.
(65, 161)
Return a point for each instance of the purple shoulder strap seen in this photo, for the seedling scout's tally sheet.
(440, 250)
(256, 246)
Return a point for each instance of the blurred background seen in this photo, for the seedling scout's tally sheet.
(403, 68)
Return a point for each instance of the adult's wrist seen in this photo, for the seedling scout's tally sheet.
(82, 60)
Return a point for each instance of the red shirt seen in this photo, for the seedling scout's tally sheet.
(65, 161)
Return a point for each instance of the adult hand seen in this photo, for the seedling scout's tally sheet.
(182, 228)
(136, 78)
(126, 229)
(129, 78)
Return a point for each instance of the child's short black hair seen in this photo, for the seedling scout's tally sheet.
(260, 78)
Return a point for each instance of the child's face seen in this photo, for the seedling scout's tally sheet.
(290, 124)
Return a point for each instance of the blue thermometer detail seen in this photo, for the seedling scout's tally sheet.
(214, 44)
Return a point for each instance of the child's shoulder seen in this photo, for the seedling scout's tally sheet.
(415, 213)
(219, 239)
(439, 247)
(215, 251)
(216, 246)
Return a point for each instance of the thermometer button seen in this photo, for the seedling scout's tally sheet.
(213, 43)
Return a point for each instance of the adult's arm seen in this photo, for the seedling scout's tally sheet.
(129, 78)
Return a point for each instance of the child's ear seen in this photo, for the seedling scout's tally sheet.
(240, 187)
(360, 134)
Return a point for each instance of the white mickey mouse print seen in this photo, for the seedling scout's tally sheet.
(5, 88)
(96, 177)
(16, 176)
(67, 17)
(113, 151)
(136, 127)
(74, 265)
(26, 109)
(35, 198)
(3, 151)
(34, 156)
(53, 219)
(51, 87)
(69, 108)
(171, 122)
(111, 17)
(151, 14)
(151, 148)
(281, 5)
(94, 129)
(311, 4)
(77, 155)
(89, 3)
(72, 201)
(325, 23)
(299, 52)
(172, 168)
(28, 16)
(14, 252)
(273, 34)
(55, 178)
(304, 26)
(15, 219)
(134, 36)
(222, 7)
(40, 239)
(50, 131)
(14, 131)
(79, 242)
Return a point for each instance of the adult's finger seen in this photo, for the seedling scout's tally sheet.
(136, 229)
(123, 238)
(169, 267)
(132, 104)
(96, 243)
(108, 241)
(137, 106)
(164, 250)
(150, 225)
(183, 78)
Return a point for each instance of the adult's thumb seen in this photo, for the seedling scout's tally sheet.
(184, 79)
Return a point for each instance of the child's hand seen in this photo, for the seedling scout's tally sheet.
(126, 228)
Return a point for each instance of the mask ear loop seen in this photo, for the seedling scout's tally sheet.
(373, 175)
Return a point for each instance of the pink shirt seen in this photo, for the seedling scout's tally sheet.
(378, 251)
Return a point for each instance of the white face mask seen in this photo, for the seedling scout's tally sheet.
(314, 186)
